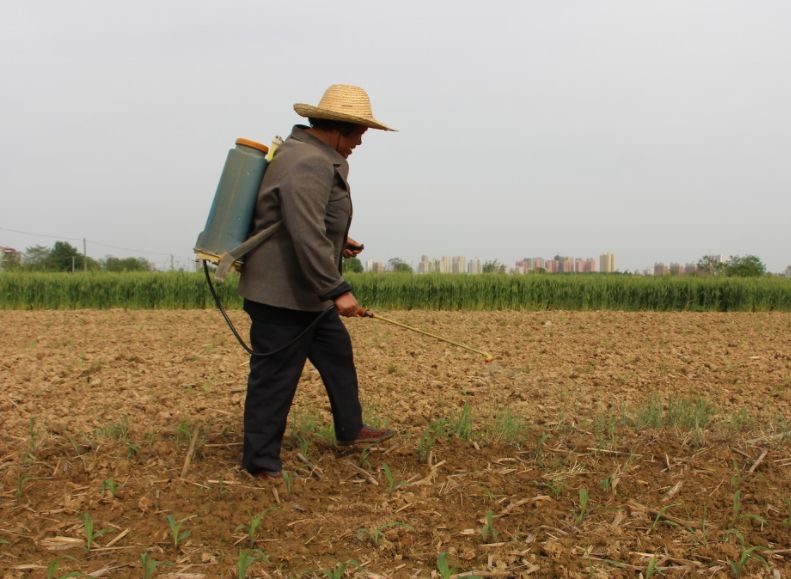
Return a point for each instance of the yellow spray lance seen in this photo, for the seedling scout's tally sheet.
(487, 357)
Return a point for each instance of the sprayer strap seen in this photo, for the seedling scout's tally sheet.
(227, 258)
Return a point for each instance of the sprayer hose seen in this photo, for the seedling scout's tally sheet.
(236, 333)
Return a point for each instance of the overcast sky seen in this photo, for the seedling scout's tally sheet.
(658, 130)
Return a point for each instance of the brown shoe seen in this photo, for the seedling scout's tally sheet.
(268, 474)
(368, 435)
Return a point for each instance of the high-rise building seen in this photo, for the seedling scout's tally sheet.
(661, 269)
(607, 262)
(459, 264)
(474, 266)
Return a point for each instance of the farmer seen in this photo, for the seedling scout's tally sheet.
(293, 281)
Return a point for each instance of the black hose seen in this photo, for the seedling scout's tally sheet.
(236, 333)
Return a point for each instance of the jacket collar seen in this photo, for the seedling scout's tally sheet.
(300, 133)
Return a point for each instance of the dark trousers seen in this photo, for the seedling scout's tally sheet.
(272, 382)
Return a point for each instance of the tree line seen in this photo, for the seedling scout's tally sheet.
(63, 256)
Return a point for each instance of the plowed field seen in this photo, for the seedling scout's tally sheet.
(598, 444)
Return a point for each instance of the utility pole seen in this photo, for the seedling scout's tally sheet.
(73, 259)
(84, 255)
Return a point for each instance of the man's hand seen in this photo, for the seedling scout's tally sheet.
(347, 305)
(352, 248)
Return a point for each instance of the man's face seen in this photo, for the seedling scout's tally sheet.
(347, 143)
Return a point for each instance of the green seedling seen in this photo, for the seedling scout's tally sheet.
(436, 430)
(375, 535)
(509, 428)
(150, 565)
(392, 483)
(606, 484)
(288, 480)
(178, 536)
(90, 532)
(660, 517)
(21, 481)
(339, 570)
(462, 426)
(745, 554)
(738, 515)
(488, 534)
(445, 571)
(650, 569)
(553, 486)
(583, 510)
(248, 558)
(110, 486)
(251, 529)
(52, 571)
(787, 520)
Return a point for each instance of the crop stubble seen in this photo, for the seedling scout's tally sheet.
(152, 402)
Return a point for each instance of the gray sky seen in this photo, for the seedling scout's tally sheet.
(660, 131)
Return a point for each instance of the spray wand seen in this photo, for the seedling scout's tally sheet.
(487, 357)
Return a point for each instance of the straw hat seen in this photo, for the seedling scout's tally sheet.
(343, 102)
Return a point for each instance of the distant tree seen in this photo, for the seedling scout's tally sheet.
(787, 272)
(35, 258)
(10, 262)
(399, 265)
(353, 265)
(745, 266)
(64, 257)
(493, 266)
(710, 265)
(111, 263)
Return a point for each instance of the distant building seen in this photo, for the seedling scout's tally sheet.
(9, 255)
(607, 262)
(691, 268)
(474, 266)
(661, 269)
(590, 265)
(377, 267)
(676, 269)
(459, 264)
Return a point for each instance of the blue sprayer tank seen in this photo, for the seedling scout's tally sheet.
(231, 215)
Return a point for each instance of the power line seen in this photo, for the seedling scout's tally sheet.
(66, 238)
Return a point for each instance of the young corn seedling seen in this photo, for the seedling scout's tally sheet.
(787, 520)
(150, 565)
(21, 481)
(745, 554)
(392, 483)
(177, 535)
(247, 559)
(339, 570)
(52, 571)
(445, 570)
(660, 517)
(109, 486)
(90, 532)
(375, 535)
(650, 569)
(488, 534)
(737, 514)
(583, 511)
(251, 529)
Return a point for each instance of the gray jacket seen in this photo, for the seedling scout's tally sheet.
(300, 266)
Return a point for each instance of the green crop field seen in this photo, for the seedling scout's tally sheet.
(180, 290)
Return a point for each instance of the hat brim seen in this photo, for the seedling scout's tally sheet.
(310, 111)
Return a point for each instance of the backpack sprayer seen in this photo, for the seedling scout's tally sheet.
(226, 238)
